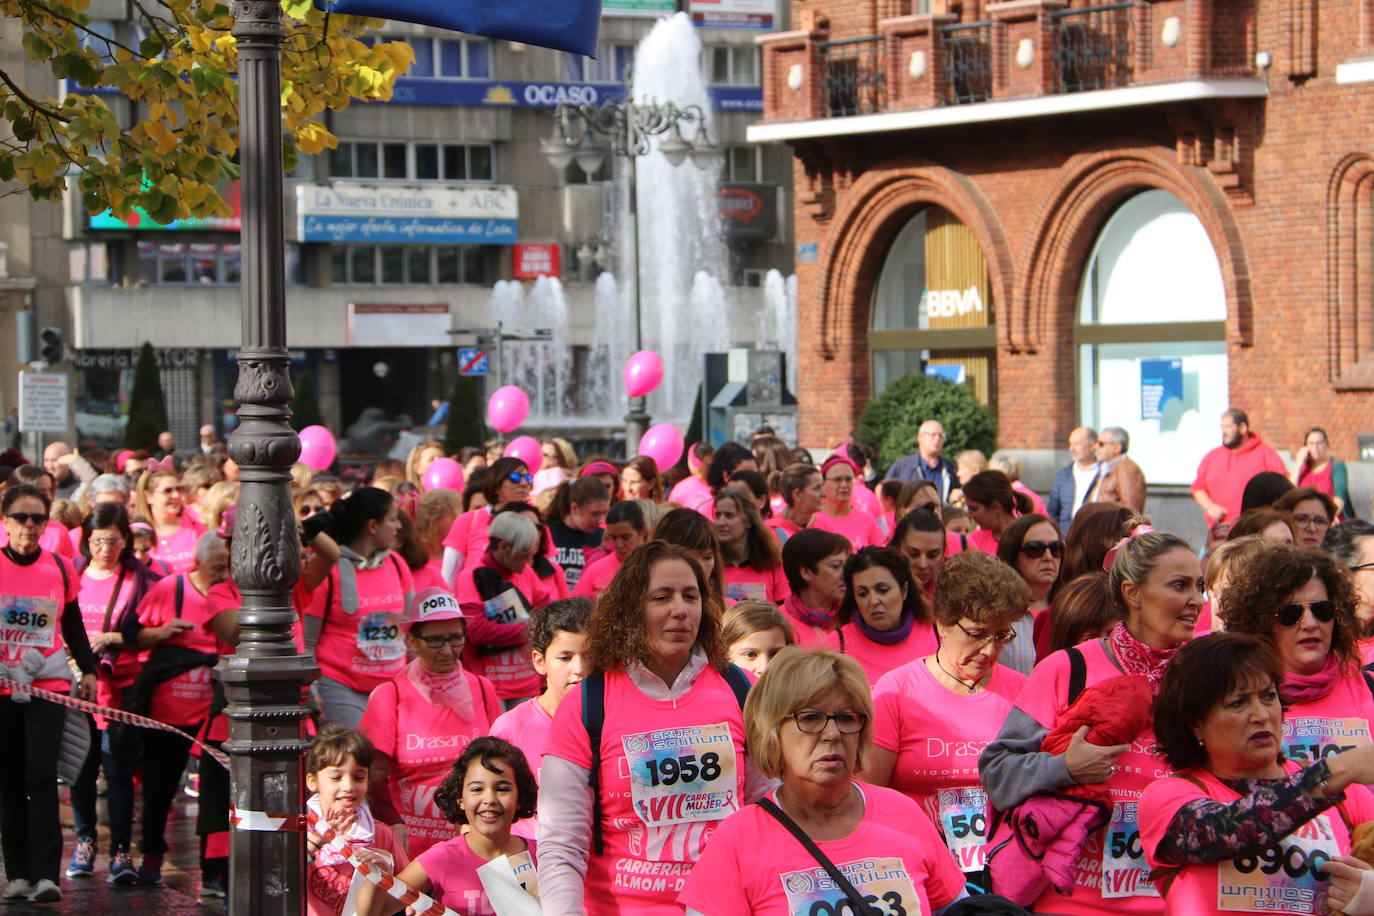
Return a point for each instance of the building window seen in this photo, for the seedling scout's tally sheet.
(88, 264)
(206, 263)
(393, 265)
(446, 58)
(733, 65)
(413, 161)
(742, 163)
(611, 66)
(1152, 343)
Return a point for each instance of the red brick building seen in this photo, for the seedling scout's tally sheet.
(1127, 213)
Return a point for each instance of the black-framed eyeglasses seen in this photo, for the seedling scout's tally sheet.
(308, 510)
(23, 518)
(1315, 521)
(517, 477)
(1360, 566)
(1290, 614)
(813, 722)
(1036, 549)
(1005, 637)
(456, 640)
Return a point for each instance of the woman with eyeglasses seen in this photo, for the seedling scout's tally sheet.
(838, 512)
(422, 719)
(1312, 513)
(934, 715)
(508, 481)
(885, 620)
(42, 628)
(1317, 469)
(1031, 545)
(1302, 603)
(159, 498)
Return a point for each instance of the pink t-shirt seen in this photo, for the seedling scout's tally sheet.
(468, 535)
(1338, 721)
(527, 727)
(32, 599)
(451, 867)
(597, 576)
(1104, 882)
(364, 650)
(178, 550)
(224, 596)
(937, 735)
(428, 576)
(655, 823)
(755, 867)
(809, 636)
(982, 539)
(496, 628)
(1250, 883)
(877, 659)
(1037, 504)
(94, 598)
(858, 526)
(185, 699)
(692, 493)
(326, 887)
(749, 583)
(865, 500)
(422, 741)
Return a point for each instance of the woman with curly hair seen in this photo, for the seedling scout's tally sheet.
(1299, 601)
(647, 755)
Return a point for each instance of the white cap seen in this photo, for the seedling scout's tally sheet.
(434, 604)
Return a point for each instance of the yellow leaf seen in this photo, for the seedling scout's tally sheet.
(200, 41)
(164, 141)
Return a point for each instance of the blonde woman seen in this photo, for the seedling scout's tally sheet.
(420, 458)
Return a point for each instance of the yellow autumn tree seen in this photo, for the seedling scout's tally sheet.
(173, 161)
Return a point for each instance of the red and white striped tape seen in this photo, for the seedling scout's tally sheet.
(419, 904)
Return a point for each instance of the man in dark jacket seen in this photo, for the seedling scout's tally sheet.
(1074, 481)
(927, 463)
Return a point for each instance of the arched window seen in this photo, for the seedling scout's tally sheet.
(933, 309)
(1151, 335)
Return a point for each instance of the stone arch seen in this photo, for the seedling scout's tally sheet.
(1091, 185)
(1349, 272)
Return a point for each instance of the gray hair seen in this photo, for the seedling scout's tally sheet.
(1006, 462)
(109, 483)
(514, 529)
(209, 542)
(1138, 557)
(1119, 436)
(1344, 541)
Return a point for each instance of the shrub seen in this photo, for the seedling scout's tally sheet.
(305, 409)
(464, 425)
(890, 421)
(147, 406)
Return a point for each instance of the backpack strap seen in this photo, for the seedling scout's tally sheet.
(1078, 673)
(594, 720)
(66, 582)
(739, 682)
(1368, 678)
(181, 593)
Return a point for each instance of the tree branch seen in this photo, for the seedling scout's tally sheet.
(109, 42)
(27, 100)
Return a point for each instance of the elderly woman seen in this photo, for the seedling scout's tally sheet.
(753, 562)
(1031, 545)
(813, 562)
(647, 755)
(508, 480)
(884, 618)
(1157, 585)
(1239, 828)
(810, 724)
(422, 719)
(935, 715)
(497, 594)
(1312, 511)
(1302, 604)
(839, 513)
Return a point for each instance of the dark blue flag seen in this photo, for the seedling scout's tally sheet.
(567, 25)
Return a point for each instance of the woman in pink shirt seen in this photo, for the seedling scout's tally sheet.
(920, 538)
(838, 513)
(159, 498)
(625, 530)
(802, 492)
(813, 562)
(753, 563)
(690, 530)
(935, 715)
(993, 505)
(551, 576)
(508, 481)
(423, 718)
(40, 626)
(885, 620)
(434, 516)
(693, 492)
(663, 749)
(1031, 545)
(56, 536)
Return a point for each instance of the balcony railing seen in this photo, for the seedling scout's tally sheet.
(968, 62)
(855, 80)
(1092, 47)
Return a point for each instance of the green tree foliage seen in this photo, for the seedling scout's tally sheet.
(305, 408)
(147, 406)
(464, 426)
(173, 161)
(890, 421)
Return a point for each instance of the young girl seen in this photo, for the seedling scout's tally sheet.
(754, 632)
(489, 787)
(336, 770)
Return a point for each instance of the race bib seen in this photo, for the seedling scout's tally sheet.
(379, 637)
(964, 820)
(1285, 878)
(27, 622)
(884, 884)
(1124, 870)
(507, 607)
(1315, 737)
(682, 775)
(523, 866)
(746, 591)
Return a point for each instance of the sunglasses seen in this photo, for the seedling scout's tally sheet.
(517, 477)
(1290, 614)
(308, 510)
(23, 518)
(1036, 549)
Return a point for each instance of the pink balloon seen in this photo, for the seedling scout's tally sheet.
(445, 474)
(528, 449)
(643, 372)
(663, 443)
(507, 408)
(318, 447)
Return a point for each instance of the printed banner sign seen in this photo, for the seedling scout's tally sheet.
(346, 212)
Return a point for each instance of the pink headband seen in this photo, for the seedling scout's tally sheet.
(121, 458)
(141, 526)
(839, 459)
(598, 467)
(1136, 532)
(164, 465)
(693, 462)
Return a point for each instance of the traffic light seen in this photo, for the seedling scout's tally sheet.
(50, 347)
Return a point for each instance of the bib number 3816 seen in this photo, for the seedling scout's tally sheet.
(27, 622)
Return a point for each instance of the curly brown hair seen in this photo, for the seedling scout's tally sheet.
(1256, 590)
(615, 632)
(980, 587)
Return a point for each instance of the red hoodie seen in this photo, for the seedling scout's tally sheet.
(1224, 472)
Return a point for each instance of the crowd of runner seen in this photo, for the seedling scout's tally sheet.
(764, 683)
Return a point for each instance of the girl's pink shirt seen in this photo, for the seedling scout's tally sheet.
(527, 727)
(635, 846)
(755, 867)
(451, 867)
(858, 526)
(422, 741)
(185, 699)
(326, 887)
(468, 535)
(877, 659)
(31, 604)
(429, 576)
(1196, 891)
(178, 550)
(362, 651)
(597, 576)
(748, 583)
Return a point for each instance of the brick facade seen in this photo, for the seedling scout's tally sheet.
(1281, 184)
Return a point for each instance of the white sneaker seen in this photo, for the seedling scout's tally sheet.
(45, 892)
(18, 889)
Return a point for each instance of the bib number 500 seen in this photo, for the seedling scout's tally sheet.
(670, 770)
